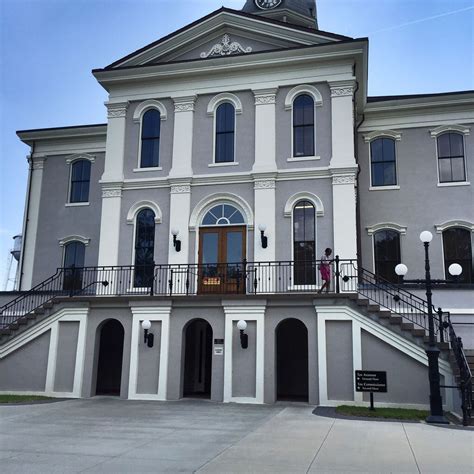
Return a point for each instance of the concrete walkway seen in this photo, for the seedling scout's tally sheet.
(111, 435)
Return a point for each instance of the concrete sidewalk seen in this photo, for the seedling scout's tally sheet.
(112, 435)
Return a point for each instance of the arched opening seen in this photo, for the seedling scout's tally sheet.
(197, 359)
(292, 360)
(109, 367)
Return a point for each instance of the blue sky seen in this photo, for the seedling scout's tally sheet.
(49, 47)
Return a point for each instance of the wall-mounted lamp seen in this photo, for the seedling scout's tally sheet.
(262, 228)
(244, 338)
(149, 338)
(176, 242)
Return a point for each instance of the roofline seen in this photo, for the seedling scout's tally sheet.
(215, 13)
(201, 60)
(385, 98)
(27, 136)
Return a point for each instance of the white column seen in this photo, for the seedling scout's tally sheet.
(183, 137)
(344, 168)
(31, 225)
(233, 313)
(265, 130)
(112, 180)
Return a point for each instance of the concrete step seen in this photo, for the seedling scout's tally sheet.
(396, 320)
(383, 314)
(22, 321)
(418, 332)
(5, 332)
(30, 316)
(48, 305)
(373, 308)
(39, 311)
(363, 302)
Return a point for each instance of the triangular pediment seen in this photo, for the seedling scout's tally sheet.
(223, 33)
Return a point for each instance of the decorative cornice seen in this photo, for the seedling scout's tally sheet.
(440, 228)
(401, 229)
(180, 189)
(344, 179)
(226, 47)
(80, 156)
(449, 128)
(117, 110)
(184, 104)
(265, 96)
(382, 133)
(264, 184)
(74, 238)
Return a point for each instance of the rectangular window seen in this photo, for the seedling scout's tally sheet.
(80, 181)
(383, 163)
(451, 158)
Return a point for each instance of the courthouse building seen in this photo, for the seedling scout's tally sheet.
(236, 150)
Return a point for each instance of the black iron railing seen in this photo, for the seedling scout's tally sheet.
(465, 375)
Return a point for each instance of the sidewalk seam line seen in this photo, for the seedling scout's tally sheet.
(320, 447)
(411, 448)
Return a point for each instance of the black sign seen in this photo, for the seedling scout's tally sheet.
(371, 381)
(218, 341)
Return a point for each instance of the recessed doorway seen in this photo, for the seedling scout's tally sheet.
(292, 360)
(197, 359)
(109, 367)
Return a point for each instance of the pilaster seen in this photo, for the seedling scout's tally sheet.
(265, 197)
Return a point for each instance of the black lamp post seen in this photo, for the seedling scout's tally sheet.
(436, 401)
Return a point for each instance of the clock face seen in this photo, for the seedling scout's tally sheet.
(267, 4)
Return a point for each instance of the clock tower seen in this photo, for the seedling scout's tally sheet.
(297, 12)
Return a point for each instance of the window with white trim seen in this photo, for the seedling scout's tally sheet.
(387, 254)
(304, 243)
(451, 164)
(225, 133)
(303, 126)
(150, 137)
(74, 257)
(383, 162)
(457, 247)
(80, 181)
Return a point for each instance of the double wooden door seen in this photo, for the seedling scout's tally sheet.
(222, 252)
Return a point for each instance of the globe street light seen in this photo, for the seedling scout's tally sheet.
(436, 402)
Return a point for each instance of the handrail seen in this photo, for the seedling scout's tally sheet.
(465, 375)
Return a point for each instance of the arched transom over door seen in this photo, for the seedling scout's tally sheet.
(222, 250)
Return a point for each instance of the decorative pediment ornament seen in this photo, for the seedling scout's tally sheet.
(225, 48)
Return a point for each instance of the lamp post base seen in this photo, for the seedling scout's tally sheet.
(437, 420)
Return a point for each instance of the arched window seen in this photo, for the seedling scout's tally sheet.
(74, 255)
(80, 181)
(223, 214)
(304, 243)
(225, 133)
(383, 162)
(151, 128)
(457, 248)
(303, 126)
(451, 157)
(387, 254)
(144, 248)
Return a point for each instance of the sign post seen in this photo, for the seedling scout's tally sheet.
(371, 381)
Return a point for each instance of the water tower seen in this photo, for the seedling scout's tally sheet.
(11, 282)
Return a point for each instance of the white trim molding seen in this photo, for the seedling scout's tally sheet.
(382, 134)
(205, 204)
(222, 98)
(372, 229)
(147, 105)
(436, 132)
(440, 228)
(138, 206)
(303, 89)
(80, 156)
(74, 238)
(315, 200)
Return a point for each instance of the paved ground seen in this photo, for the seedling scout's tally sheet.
(111, 435)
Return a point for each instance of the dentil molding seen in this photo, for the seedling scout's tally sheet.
(226, 47)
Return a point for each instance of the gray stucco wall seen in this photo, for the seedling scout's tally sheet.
(284, 131)
(180, 317)
(203, 136)
(340, 373)
(25, 369)
(132, 143)
(149, 361)
(66, 356)
(244, 362)
(97, 317)
(419, 204)
(273, 317)
(57, 221)
(407, 379)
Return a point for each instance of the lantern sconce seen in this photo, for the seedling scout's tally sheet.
(176, 242)
(149, 338)
(244, 338)
(264, 239)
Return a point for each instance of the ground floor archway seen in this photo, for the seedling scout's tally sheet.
(109, 366)
(292, 360)
(197, 359)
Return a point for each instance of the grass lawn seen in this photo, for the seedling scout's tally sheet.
(22, 398)
(389, 413)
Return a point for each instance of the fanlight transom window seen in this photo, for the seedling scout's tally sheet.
(223, 214)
